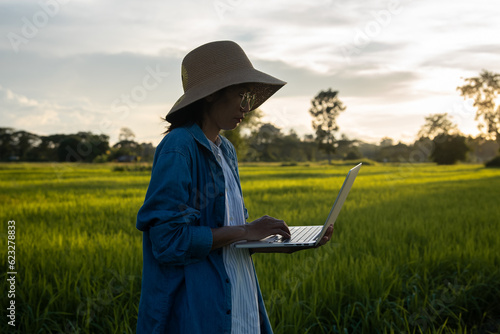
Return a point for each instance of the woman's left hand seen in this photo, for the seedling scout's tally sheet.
(327, 237)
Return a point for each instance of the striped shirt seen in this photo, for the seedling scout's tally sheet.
(238, 263)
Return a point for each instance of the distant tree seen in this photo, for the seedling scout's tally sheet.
(24, 142)
(437, 124)
(368, 150)
(326, 106)
(449, 149)
(126, 135)
(422, 150)
(267, 133)
(485, 91)
(238, 141)
(7, 148)
(395, 153)
(48, 149)
(386, 141)
(82, 147)
(447, 144)
(252, 121)
(309, 138)
(237, 136)
(125, 151)
(347, 147)
(493, 163)
(482, 149)
(291, 148)
(353, 154)
(147, 152)
(263, 143)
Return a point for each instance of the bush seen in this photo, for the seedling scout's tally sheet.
(495, 162)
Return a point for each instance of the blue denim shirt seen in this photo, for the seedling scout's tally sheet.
(185, 287)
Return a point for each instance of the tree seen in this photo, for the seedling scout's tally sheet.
(347, 149)
(126, 135)
(125, 151)
(482, 149)
(326, 106)
(449, 149)
(82, 147)
(447, 145)
(437, 124)
(369, 150)
(267, 133)
(147, 152)
(395, 153)
(291, 148)
(236, 136)
(485, 91)
(386, 142)
(7, 148)
(49, 147)
(263, 143)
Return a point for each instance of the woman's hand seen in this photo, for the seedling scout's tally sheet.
(264, 227)
(326, 238)
(258, 229)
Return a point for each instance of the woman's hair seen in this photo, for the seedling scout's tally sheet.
(192, 113)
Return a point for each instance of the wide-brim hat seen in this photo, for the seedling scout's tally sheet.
(217, 65)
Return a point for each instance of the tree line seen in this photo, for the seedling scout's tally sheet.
(20, 145)
(267, 143)
(438, 140)
(264, 142)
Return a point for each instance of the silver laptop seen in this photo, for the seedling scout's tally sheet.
(303, 236)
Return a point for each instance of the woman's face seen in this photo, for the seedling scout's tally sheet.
(225, 110)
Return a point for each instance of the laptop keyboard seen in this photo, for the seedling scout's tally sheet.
(302, 234)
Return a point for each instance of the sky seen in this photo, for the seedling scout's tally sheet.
(86, 65)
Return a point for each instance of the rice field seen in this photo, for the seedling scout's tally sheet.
(416, 248)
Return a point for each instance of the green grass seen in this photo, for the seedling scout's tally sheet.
(416, 248)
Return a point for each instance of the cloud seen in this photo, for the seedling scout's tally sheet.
(10, 97)
(100, 78)
(471, 58)
(44, 117)
(88, 57)
(372, 83)
(41, 116)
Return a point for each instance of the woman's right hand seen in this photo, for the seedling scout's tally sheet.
(266, 226)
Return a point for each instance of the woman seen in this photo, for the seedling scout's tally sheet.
(193, 280)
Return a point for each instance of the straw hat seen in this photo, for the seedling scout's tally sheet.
(217, 65)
